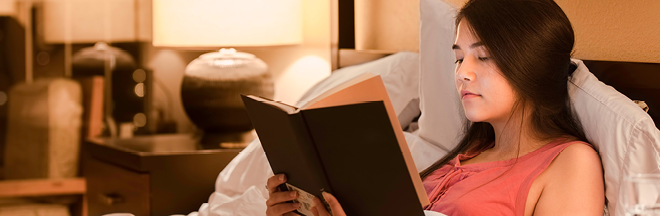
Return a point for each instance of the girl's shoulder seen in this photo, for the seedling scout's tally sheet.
(575, 156)
(571, 145)
(572, 154)
(574, 172)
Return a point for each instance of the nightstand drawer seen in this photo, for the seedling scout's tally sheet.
(112, 189)
(123, 179)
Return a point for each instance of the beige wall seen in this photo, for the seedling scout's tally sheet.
(387, 24)
(605, 29)
(615, 30)
(457, 3)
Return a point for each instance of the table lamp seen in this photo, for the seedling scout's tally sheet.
(213, 83)
(102, 68)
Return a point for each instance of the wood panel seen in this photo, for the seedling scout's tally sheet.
(638, 81)
(42, 187)
(112, 189)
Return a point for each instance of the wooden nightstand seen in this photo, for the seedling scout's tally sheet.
(159, 175)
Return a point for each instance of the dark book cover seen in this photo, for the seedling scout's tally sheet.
(362, 159)
(351, 151)
(288, 147)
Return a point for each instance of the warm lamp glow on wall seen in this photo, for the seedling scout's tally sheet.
(213, 83)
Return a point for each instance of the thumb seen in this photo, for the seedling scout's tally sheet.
(335, 207)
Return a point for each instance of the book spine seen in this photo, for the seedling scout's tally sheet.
(307, 144)
(313, 159)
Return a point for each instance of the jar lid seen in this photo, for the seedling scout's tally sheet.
(226, 53)
(226, 64)
(101, 52)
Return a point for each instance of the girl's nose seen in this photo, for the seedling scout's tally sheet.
(465, 73)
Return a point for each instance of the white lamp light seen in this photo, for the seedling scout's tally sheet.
(213, 83)
(226, 23)
(91, 21)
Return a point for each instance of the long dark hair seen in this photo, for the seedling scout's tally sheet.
(531, 42)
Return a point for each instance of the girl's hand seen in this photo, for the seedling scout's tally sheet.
(277, 205)
(335, 207)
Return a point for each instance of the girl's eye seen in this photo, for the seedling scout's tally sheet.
(483, 58)
(458, 61)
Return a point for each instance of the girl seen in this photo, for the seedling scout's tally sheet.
(523, 151)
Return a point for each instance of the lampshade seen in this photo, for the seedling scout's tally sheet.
(223, 23)
(90, 21)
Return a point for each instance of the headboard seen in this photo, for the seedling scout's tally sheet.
(638, 81)
(342, 45)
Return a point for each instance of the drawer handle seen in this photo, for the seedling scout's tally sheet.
(111, 198)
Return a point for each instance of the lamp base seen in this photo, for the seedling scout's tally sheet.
(211, 95)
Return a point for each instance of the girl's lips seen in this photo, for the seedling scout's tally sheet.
(467, 94)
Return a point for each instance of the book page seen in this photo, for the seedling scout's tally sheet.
(370, 87)
(285, 107)
(342, 101)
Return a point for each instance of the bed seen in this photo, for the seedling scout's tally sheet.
(601, 109)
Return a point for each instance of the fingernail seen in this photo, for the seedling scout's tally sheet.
(296, 205)
(293, 193)
(281, 177)
(326, 196)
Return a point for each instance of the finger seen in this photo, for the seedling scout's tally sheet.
(320, 208)
(315, 212)
(335, 207)
(280, 197)
(282, 208)
(275, 181)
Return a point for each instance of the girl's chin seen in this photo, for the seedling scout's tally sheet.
(475, 112)
(473, 117)
(476, 120)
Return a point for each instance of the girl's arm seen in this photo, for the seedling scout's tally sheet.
(573, 184)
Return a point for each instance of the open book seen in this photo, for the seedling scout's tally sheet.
(348, 142)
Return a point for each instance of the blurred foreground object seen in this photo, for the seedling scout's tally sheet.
(43, 129)
(34, 209)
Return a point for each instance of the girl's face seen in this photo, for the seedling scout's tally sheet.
(485, 94)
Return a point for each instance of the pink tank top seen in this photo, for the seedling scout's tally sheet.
(456, 189)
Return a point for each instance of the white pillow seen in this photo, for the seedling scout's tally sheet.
(400, 74)
(441, 121)
(624, 135)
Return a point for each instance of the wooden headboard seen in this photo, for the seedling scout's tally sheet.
(638, 81)
(342, 45)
